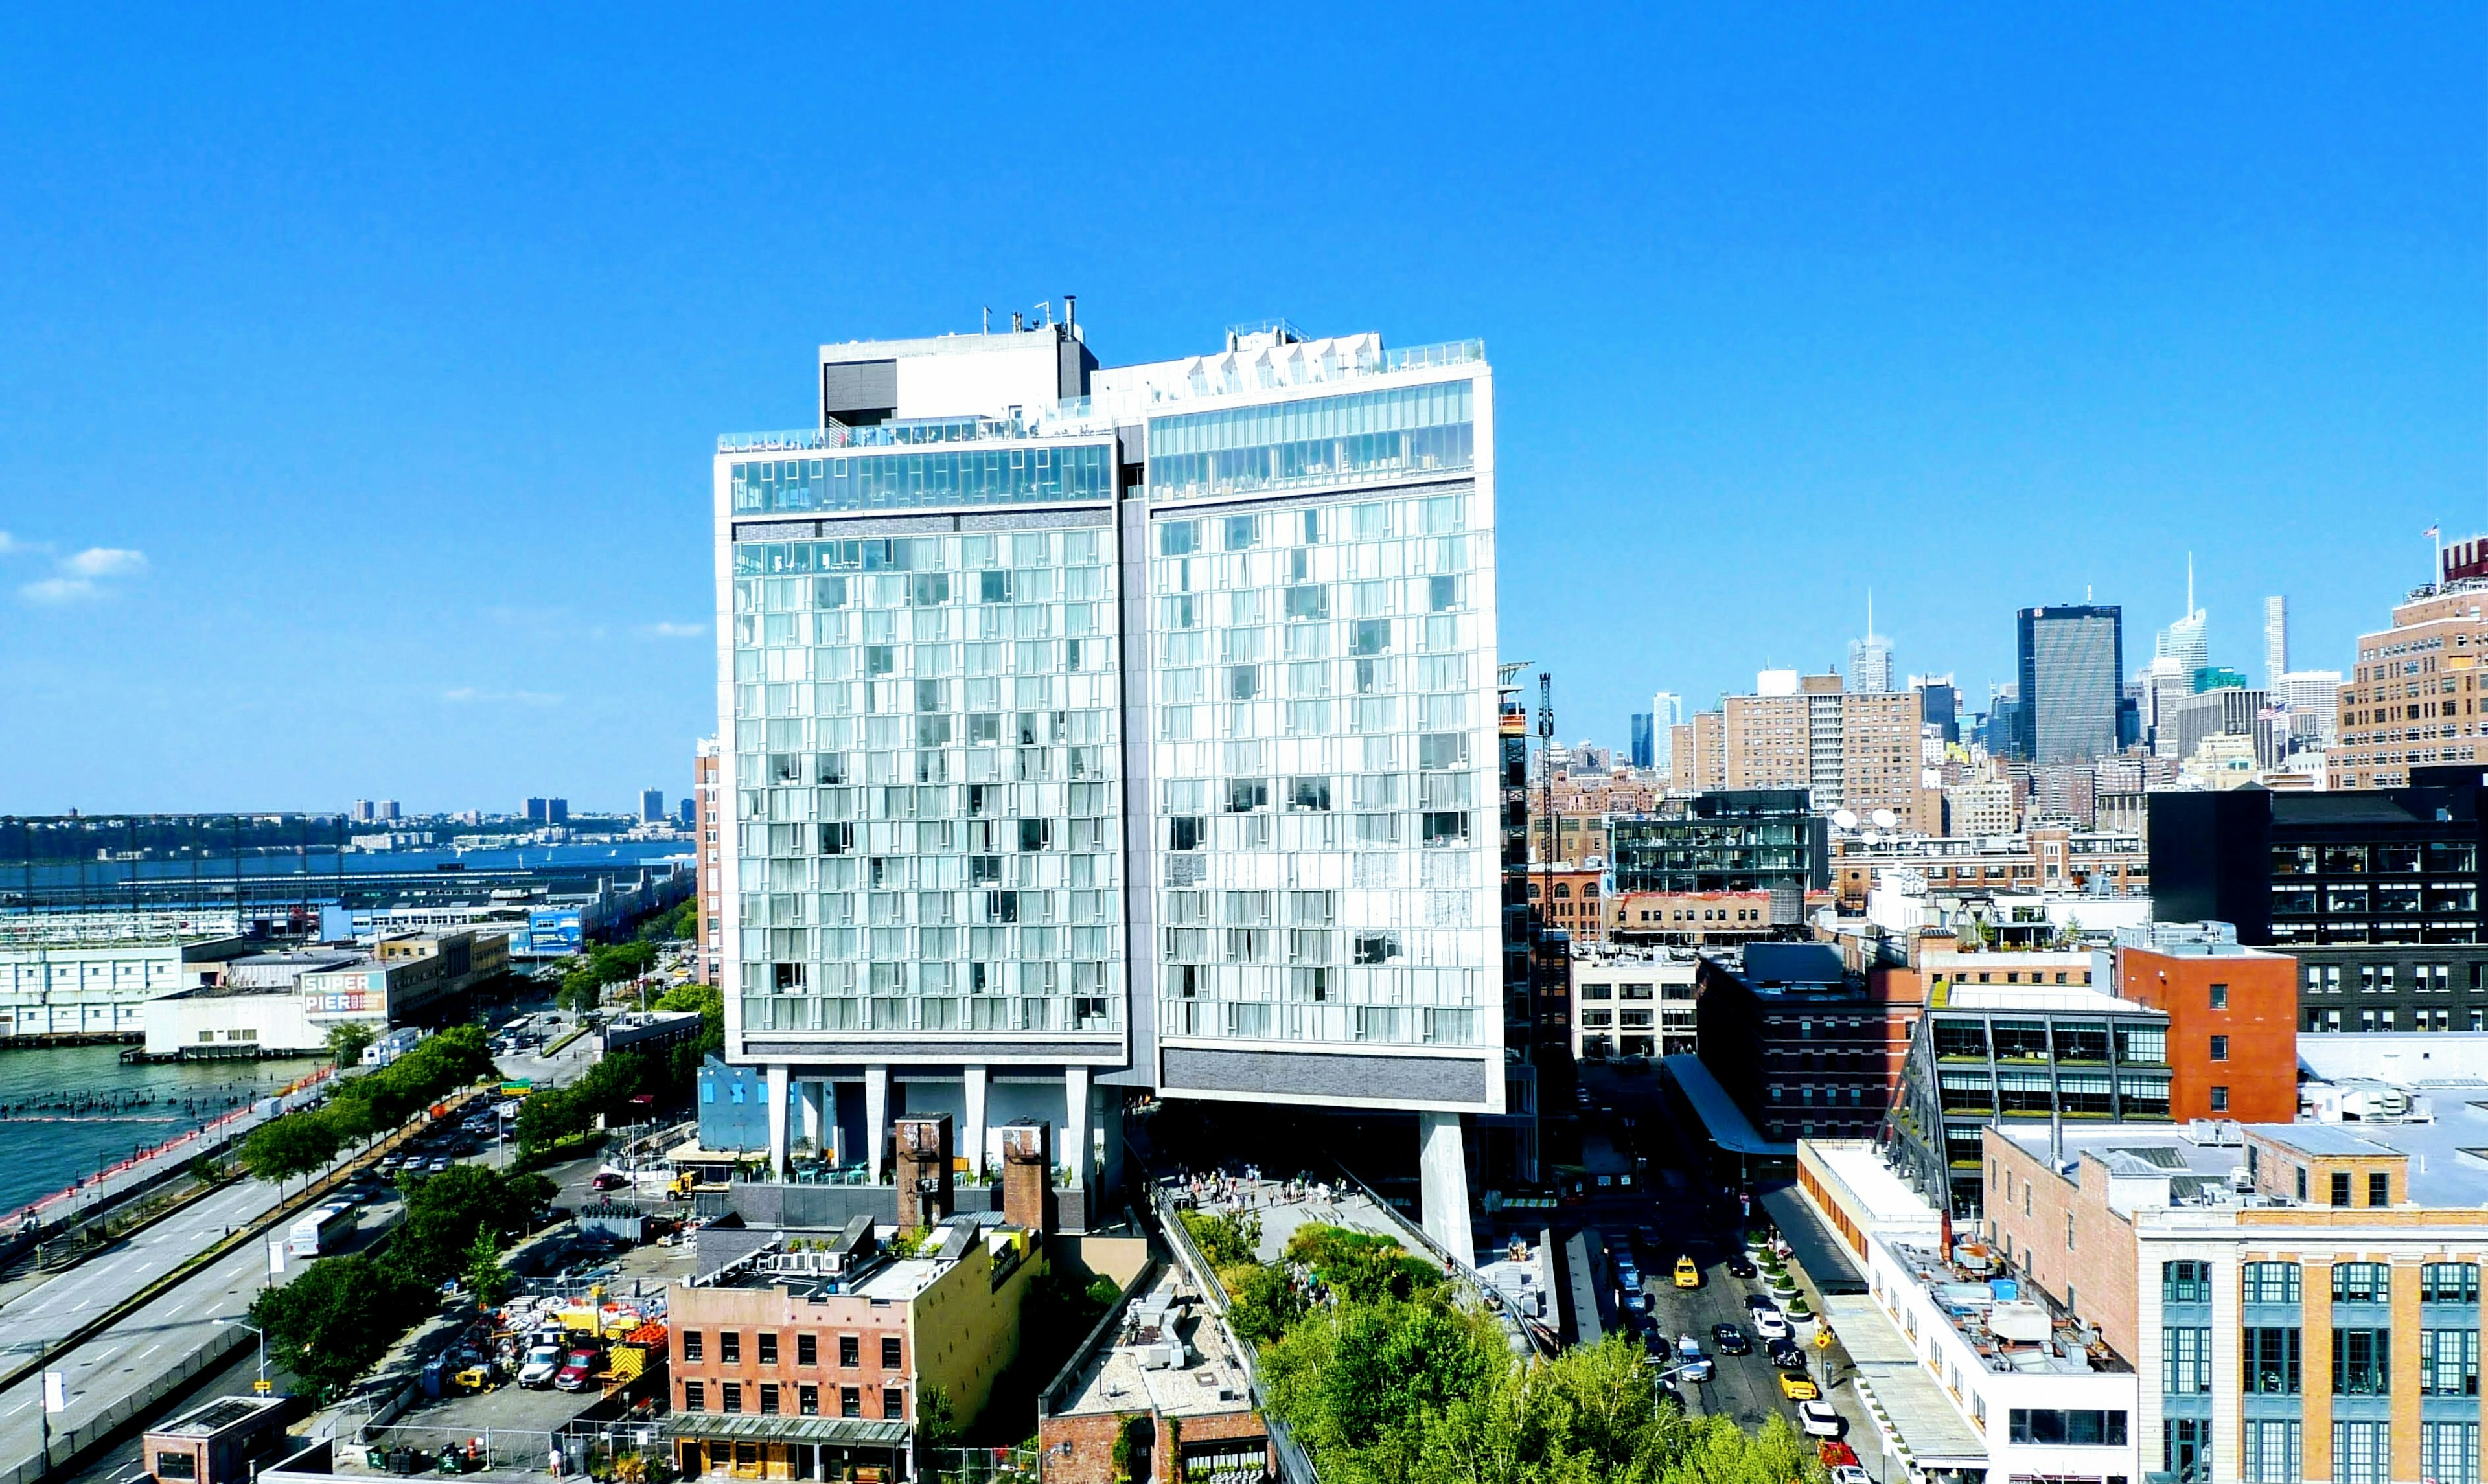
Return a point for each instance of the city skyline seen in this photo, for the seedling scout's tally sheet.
(428, 377)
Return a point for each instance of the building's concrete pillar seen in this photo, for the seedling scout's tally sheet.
(807, 1093)
(876, 1120)
(778, 1120)
(1443, 1183)
(973, 1134)
(1075, 1125)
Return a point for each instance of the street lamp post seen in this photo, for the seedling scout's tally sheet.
(262, 1387)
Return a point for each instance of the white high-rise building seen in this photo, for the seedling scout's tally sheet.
(1869, 658)
(2275, 641)
(2183, 640)
(1666, 715)
(1105, 730)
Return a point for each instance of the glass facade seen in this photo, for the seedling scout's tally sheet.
(1323, 818)
(965, 477)
(926, 731)
(1730, 840)
(1312, 442)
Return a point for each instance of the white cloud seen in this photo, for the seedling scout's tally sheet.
(662, 630)
(81, 576)
(60, 590)
(469, 695)
(105, 562)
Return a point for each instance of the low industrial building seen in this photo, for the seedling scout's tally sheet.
(90, 975)
(1167, 1389)
(220, 1442)
(285, 1004)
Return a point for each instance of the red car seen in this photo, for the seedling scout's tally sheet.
(608, 1181)
(1836, 1454)
(577, 1372)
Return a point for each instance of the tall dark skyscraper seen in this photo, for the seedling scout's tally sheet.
(1643, 748)
(2073, 658)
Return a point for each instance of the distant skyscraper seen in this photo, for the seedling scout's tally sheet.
(1869, 658)
(2183, 640)
(363, 812)
(1666, 715)
(557, 811)
(2275, 641)
(2072, 664)
(652, 805)
(1939, 704)
(1642, 752)
(387, 811)
(536, 812)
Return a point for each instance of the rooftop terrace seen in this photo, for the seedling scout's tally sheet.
(2012, 1326)
(1165, 1356)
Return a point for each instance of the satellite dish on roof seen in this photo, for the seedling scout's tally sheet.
(1872, 838)
(1846, 819)
(1886, 819)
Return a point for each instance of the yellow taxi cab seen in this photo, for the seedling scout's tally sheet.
(1799, 1387)
(1688, 1275)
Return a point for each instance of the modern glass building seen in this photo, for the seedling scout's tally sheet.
(2072, 668)
(1103, 731)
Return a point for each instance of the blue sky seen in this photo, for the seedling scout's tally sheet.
(359, 373)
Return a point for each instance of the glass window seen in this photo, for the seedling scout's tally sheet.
(2186, 1282)
(694, 1396)
(2274, 1450)
(2361, 1363)
(730, 1346)
(2448, 1452)
(2449, 1363)
(2361, 1452)
(2271, 1360)
(2449, 1283)
(2185, 1360)
(2272, 1283)
(890, 1352)
(2361, 1283)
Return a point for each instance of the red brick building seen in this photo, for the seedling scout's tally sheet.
(2232, 1026)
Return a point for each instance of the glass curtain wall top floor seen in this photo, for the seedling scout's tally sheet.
(925, 735)
(1314, 441)
(1321, 752)
(962, 477)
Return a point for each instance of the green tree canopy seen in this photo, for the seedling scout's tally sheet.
(444, 1213)
(333, 1321)
(346, 1040)
(282, 1149)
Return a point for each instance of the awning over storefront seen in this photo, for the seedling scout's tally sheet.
(1721, 1118)
(1821, 1256)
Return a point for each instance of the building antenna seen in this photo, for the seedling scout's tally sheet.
(2190, 584)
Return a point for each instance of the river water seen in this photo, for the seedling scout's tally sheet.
(70, 1111)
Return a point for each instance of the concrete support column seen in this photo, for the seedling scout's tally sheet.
(807, 1093)
(1075, 1124)
(973, 1134)
(876, 1120)
(778, 1120)
(1443, 1183)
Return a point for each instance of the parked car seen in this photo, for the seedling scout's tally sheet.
(1799, 1387)
(439, 1163)
(577, 1372)
(1786, 1355)
(1692, 1363)
(1817, 1419)
(1731, 1340)
(1836, 1454)
(1637, 1301)
(1688, 1275)
(1758, 1303)
(1654, 1349)
(542, 1364)
(1740, 1267)
(1851, 1473)
(1771, 1325)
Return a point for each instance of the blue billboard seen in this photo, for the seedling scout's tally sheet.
(555, 930)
